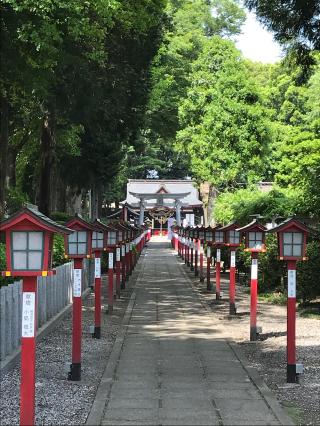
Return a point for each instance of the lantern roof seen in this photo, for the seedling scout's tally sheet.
(102, 226)
(77, 220)
(290, 223)
(119, 226)
(231, 226)
(31, 214)
(254, 225)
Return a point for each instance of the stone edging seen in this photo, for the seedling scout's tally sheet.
(252, 372)
(98, 407)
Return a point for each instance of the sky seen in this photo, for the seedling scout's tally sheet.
(256, 43)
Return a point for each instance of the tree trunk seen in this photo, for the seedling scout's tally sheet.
(74, 198)
(96, 201)
(4, 141)
(47, 164)
(211, 200)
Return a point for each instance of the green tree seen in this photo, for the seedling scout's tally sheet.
(224, 127)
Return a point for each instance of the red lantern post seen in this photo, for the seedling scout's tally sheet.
(292, 242)
(111, 247)
(201, 233)
(99, 244)
(192, 248)
(209, 233)
(218, 243)
(122, 232)
(254, 234)
(232, 240)
(78, 246)
(29, 244)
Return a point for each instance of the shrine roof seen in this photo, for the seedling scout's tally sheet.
(162, 188)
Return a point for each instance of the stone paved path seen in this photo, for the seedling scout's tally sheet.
(173, 369)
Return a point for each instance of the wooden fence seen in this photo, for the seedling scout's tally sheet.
(54, 294)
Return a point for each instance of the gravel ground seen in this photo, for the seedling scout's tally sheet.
(59, 401)
(268, 355)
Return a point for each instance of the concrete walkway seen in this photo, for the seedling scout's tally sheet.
(171, 368)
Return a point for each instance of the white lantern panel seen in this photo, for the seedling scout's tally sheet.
(35, 240)
(97, 239)
(19, 240)
(234, 237)
(82, 248)
(73, 248)
(287, 237)
(297, 250)
(72, 238)
(297, 238)
(287, 250)
(82, 236)
(259, 236)
(219, 237)
(19, 260)
(35, 260)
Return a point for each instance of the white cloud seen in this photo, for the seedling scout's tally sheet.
(256, 43)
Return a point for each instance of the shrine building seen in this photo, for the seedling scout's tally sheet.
(162, 202)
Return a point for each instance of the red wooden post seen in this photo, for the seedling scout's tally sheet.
(232, 285)
(218, 269)
(28, 351)
(127, 261)
(118, 271)
(97, 295)
(75, 368)
(209, 286)
(201, 264)
(110, 283)
(130, 258)
(186, 250)
(292, 376)
(196, 250)
(123, 266)
(191, 254)
(253, 296)
(176, 243)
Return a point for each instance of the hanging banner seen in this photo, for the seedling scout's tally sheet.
(218, 255)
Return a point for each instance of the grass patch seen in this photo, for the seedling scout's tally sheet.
(310, 311)
(274, 298)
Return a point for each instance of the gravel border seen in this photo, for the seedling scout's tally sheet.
(58, 400)
(268, 354)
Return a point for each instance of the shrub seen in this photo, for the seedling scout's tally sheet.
(58, 251)
(3, 266)
(308, 283)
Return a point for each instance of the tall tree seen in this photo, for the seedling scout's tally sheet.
(224, 127)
